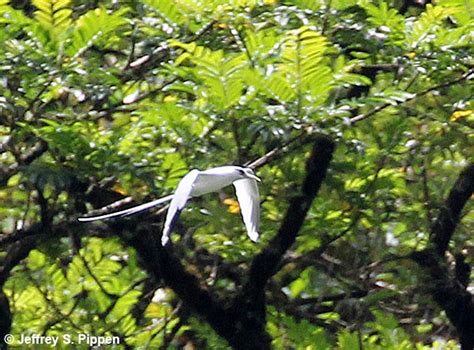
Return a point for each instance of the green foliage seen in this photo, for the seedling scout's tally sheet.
(130, 96)
(54, 15)
(91, 27)
(429, 22)
(167, 9)
(92, 282)
(303, 64)
(461, 11)
(221, 77)
(386, 20)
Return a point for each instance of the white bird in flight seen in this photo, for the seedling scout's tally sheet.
(195, 184)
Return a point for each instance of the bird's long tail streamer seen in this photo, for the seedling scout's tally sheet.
(128, 211)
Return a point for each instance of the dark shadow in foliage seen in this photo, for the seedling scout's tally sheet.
(449, 290)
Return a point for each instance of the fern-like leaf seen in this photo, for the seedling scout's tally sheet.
(168, 10)
(92, 26)
(221, 75)
(277, 87)
(53, 15)
(12, 16)
(303, 65)
(463, 10)
(260, 44)
(382, 15)
(427, 25)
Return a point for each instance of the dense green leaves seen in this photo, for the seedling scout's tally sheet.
(129, 97)
(91, 27)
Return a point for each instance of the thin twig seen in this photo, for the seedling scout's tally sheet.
(37, 96)
(358, 118)
(274, 153)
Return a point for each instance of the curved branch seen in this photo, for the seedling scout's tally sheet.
(448, 291)
(163, 264)
(448, 218)
(465, 76)
(248, 307)
(266, 263)
(27, 158)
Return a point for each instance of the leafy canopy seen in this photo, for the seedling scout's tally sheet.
(129, 96)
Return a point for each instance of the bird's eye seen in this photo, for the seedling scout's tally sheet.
(241, 172)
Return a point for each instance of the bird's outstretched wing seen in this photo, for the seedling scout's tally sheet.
(180, 197)
(128, 211)
(249, 202)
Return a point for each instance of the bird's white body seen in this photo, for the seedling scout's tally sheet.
(212, 180)
(197, 183)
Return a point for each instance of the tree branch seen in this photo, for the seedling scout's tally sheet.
(242, 324)
(266, 263)
(248, 307)
(27, 158)
(448, 217)
(465, 76)
(448, 291)
(277, 151)
(163, 264)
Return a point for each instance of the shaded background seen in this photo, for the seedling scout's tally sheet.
(356, 115)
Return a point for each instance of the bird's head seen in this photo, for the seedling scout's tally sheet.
(247, 173)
